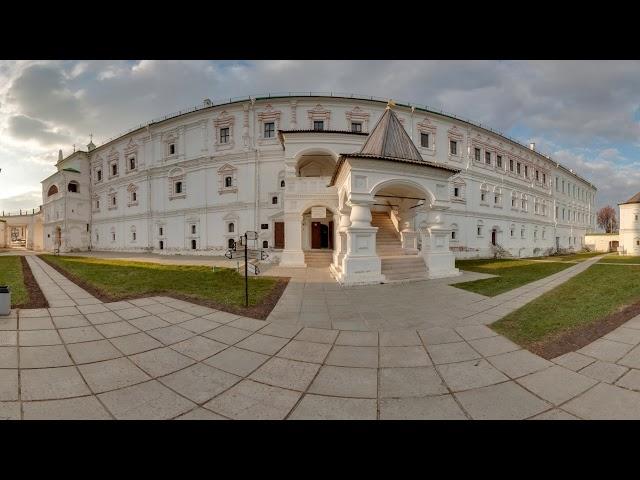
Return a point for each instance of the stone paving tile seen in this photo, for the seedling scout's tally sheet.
(284, 331)
(573, 361)
(265, 344)
(472, 374)
(34, 312)
(346, 382)
(9, 385)
(519, 363)
(606, 350)
(81, 408)
(198, 347)
(141, 302)
(102, 317)
(404, 357)
(8, 357)
(606, 402)
(80, 334)
(157, 308)
(88, 352)
(44, 357)
(93, 308)
(227, 335)
(441, 407)
(405, 338)
(38, 323)
(136, 343)
(176, 316)
(604, 371)
(116, 329)
(9, 411)
(52, 383)
(624, 335)
(284, 373)
(557, 384)
(63, 311)
(633, 323)
(131, 313)
(474, 332)
(318, 407)
(201, 414)
(199, 325)
(347, 356)
(305, 351)
(10, 323)
(221, 317)
(439, 335)
(200, 382)
(161, 361)
(8, 339)
(70, 321)
(148, 323)
(505, 401)
(410, 382)
(451, 353)
(358, 339)
(317, 335)
(555, 414)
(145, 401)
(631, 380)
(250, 324)
(631, 359)
(112, 374)
(493, 345)
(118, 305)
(170, 335)
(252, 400)
(237, 361)
(32, 338)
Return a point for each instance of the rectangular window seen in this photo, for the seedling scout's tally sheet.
(510, 165)
(526, 171)
(518, 168)
(537, 175)
(224, 135)
(424, 140)
(499, 161)
(264, 226)
(487, 158)
(477, 154)
(318, 125)
(544, 178)
(161, 231)
(356, 127)
(113, 200)
(228, 181)
(479, 231)
(132, 163)
(193, 229)
(269, 129)
(134, 196)
(98, 204)
(178, 188)
(453, 147)
(114, 169)
(456, 193)
(134, 236)
(172, 149)
(453, 235)
(99, 174)
(274, 200)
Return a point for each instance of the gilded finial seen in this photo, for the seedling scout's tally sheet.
(391, 103)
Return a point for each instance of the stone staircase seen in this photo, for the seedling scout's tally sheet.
(396, 263)
(318, 258)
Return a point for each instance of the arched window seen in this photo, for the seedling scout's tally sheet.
(228, 181)
(282, 184)
(483, 192)
(52, 190)
(232, 227)
(73, 187)
(265, 244)
(230, 243)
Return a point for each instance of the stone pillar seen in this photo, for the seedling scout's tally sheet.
(292, 255)
(340, 245)
(435, 236)
(361, 264)
(408, 234)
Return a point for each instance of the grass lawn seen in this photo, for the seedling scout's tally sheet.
(11, 274)
(582, 300)
(575, 257)
(620, 259)
(511, 274)
(121, 279)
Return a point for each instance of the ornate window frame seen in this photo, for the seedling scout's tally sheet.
(131, 151)
(98, 165)
(95, 203)
(428, 128)
(174, 176)
(112, 232)
(224, 120)
(479, 229)
(113, 158)
(231, 218)
(454, 233)
(266, 116)
(497, 197)
(113, 200)
(132, 189)
(132, 234)
(168, 138)
(358, 115)
(461, 185)
(484, 190)
(227, 170)
(514, 200)
(319, 113)
(455, 135)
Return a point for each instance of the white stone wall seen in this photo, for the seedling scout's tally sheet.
(630, 229)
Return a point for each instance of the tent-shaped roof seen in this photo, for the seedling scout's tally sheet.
(634, 199)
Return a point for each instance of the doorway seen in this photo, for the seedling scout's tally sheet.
(278, 228)
(494, 236)
(320, 235)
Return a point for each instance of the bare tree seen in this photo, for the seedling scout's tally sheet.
(607, 219)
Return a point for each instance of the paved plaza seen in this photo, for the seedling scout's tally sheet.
(418, 350)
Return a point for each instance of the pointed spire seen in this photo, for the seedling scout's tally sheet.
(389, 139)
(60, 155)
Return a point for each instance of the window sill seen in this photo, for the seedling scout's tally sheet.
(177, 197)
(224, 146)
(227, 190)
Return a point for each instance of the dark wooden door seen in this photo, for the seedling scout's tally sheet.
(316, 241)
(324, 236)
(279, 234)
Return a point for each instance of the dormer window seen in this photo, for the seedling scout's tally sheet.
(356, 127)
(424, 140)
(269, 129)
(318, 125)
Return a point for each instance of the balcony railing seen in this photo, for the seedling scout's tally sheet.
(18, 213)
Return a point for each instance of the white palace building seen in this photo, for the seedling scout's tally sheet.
(377, 191)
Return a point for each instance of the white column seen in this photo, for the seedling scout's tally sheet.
(435, 236)
(292, 255)
(340, 241)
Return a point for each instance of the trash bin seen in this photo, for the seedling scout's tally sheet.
(5, 300)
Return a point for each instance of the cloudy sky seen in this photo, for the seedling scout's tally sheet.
(584, 114)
